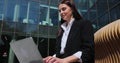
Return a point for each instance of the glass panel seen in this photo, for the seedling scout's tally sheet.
(53, 17)
(92, 13)
(103, 20)
(102, 7)
(23, 4)
(33, 12)
(54, 3)
(85, 15)
(26, 29)
(91, 3)
(115, 13)
(31, 29)
(2, 9)
(9, 27)
(83, 4)
(113, 2)
(11, 10)
(43, 15)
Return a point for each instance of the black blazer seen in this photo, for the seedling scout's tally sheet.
(80, 38)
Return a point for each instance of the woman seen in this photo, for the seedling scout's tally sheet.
(75, 41)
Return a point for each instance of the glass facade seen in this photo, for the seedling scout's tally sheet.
(102, 12)
(24, 18)
(40, 19)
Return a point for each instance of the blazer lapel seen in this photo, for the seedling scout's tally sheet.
(73, 31)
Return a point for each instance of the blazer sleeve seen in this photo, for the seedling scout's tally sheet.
(87, 43)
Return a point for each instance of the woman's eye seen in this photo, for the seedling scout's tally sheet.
(63, 9)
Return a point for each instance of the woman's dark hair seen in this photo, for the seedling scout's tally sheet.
(75, 13)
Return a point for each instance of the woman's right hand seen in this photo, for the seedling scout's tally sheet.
(51, 59)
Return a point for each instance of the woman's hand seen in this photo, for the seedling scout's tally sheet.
(51, 59)
(69, 59)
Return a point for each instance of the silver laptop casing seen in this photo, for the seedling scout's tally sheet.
(26, 51)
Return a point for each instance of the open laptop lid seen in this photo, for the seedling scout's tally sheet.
(26, 51)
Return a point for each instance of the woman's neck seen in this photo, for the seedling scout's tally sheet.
(67, 22)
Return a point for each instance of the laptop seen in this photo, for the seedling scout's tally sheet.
(26, 51)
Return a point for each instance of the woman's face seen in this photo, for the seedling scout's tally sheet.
(65, 12)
